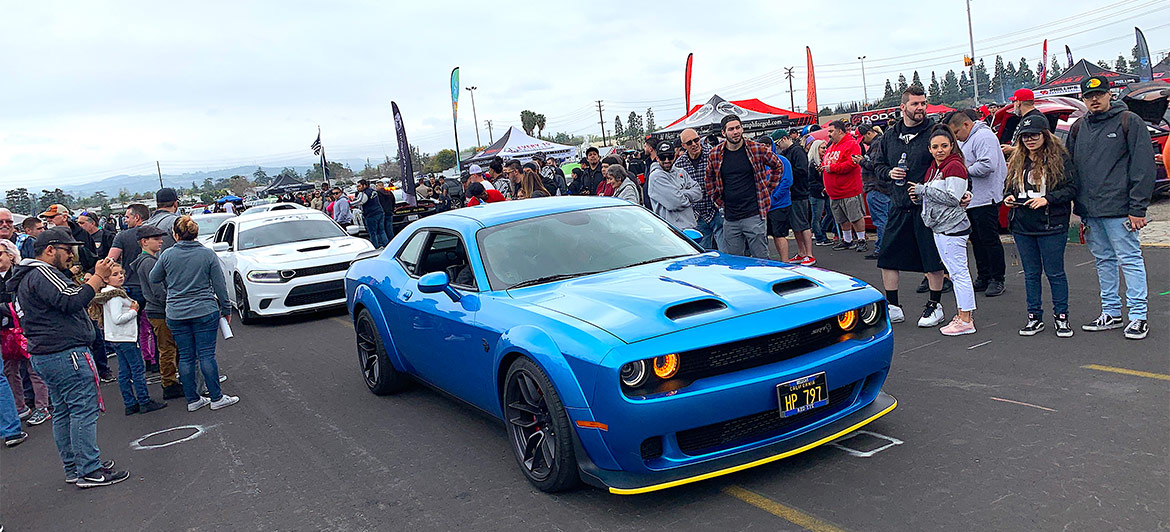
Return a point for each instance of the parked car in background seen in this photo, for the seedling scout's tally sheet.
(209, 224)
(275, 207)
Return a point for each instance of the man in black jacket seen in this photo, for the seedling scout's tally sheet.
(800, 215)
(877, 191)
(59, 332)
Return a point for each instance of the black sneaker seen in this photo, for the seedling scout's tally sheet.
(872, 256)
(994, 289)
(151, 406)
(102, 477)
(132, 409)
(1104, 322)
(979, 285)
(924, 287)
(1137, 329)
(107, 465)
(1034, 326)
(825, 242)
(861, 247)
(107, 377)
(1063, 327)
(841, 245)
(15, 439)
(173, 391)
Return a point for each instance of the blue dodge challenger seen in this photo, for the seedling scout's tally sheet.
(613, 348)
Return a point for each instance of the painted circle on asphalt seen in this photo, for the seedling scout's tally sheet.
(195, 432)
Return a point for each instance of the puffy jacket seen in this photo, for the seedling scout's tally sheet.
(940, 195)
(55, 317)
(119, 320)
(671, 194)
(1115, 164)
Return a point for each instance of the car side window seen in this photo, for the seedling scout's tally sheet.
(219, 233)
(408, 257)
(229, 233)
(446, 253)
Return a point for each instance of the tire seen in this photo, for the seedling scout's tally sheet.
(538, 428)
(379, 374)
(247, 317)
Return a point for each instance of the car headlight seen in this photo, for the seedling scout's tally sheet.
(633, 373)
(265, 276)
(847, 320)
(870, 313)
(666, 366)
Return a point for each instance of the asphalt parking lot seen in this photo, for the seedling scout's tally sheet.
(993, 432)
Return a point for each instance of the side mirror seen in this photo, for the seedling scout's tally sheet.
(435, 282)
(219, 247)
(693, 235)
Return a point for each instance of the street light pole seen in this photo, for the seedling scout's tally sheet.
(864, 88)
(473, 117)
(971, 36)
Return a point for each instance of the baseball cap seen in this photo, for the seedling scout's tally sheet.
(1025, 95)
(166, 195)
(1033, 124)
(665, 147)
(149, 231)
(54, 210)
(475, 169)
(56, 235)
(779, 134)
(1094, 84)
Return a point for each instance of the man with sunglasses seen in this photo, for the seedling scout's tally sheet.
(708, 217)
(1114, 159)
(7, 225)
(672, 191)
(341, 211)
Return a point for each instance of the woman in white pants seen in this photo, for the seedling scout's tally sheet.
(940, 194)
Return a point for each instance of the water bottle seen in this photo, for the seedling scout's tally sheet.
(901, 182)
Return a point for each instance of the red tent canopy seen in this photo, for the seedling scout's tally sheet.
(753, 105)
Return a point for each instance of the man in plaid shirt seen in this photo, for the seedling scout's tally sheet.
(693, 161)
(741, 175)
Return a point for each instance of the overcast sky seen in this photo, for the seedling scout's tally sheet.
(91, 89)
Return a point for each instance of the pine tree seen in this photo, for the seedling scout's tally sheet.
(902, 85)
(1025, 76)
(888, 96)
(1011, 78)
(1104, 64)
(997, 83)
(984, 80)
(1056, 70)
(964, 85)
(915, 80)
(1121, 65)
(650, 127)
(950, 88)
(618, 131)
(934, 93)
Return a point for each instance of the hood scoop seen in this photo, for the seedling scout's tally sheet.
(312, 248)
(694, 308)
(790, 286)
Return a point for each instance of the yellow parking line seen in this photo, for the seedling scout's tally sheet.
(787, 513)
(1123, 371)
(342, 321)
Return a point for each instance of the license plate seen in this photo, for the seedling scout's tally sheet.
(803, 394)
(412, 218)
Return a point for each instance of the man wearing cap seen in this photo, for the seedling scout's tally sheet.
(672, 191)
(693, 161)
(59, 330)
(165, 215)
(590, 173)
(372, 214)
(1024, 105)
(1114, 159)
(58, 216)
(741, 175)
(800, 214)
(877, 191)
(986, 171)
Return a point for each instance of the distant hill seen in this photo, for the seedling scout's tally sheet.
(149, 182)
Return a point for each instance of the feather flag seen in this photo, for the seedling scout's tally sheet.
(1145, 69)
(1068, 54)
(404, 156)
(690, 59)
(811, 104)
(455, 113)
(1044, 63)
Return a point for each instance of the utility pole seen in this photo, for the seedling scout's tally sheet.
(602, 122)
(491, 140)
(791, 95)
(971, 36)
(159, 168)
(473, 117)
(864, 88)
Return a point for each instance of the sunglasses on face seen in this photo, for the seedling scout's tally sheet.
(6, 222)
(690, 142)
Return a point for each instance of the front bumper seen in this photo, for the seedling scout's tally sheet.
(304, 294)
(627, 483)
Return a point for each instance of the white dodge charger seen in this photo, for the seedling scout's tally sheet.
(285, 261)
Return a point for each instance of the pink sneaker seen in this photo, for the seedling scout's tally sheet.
(809, 261)
(958, 327)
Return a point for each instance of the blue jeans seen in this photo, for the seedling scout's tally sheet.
(131, 374)
(9, 417)
(820, 206)
(879, 212)
(1044, 254)
(1112, 244)
(74, 392)
(389, 225)
(376, 227)
(195, 340)
(712, 232)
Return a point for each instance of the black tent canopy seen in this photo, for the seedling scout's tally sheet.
(1068, 83)
(285, 184)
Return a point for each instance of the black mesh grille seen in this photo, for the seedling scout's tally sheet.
(318, 270)
(758, 351)
(652, 448)
(754, 427)
(315, 293)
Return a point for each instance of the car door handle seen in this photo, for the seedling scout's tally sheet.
(406, 295)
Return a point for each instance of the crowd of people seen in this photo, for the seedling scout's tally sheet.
(77, 289)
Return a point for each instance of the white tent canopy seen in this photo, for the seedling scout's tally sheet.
(515, 144)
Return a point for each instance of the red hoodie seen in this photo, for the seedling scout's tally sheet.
(842, 175)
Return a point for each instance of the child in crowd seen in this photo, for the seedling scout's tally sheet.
(940, 195)
(118, 315)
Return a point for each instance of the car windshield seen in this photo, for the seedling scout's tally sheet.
(285, 229)
(209, 224)
(563, 245)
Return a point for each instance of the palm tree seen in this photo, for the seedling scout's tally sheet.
(527, 121)
(540, 124)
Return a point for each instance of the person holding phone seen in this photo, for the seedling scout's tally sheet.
(1039, 190)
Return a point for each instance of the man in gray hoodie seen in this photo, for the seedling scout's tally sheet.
(672, 191)
(986, 170)
(1111, 149)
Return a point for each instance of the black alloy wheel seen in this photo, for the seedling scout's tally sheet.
(380, 376)
(538, 428)
(246, 315)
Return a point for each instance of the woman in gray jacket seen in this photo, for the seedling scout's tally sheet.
(196, 299)
(623, 184)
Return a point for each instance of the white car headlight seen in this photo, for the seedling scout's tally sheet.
(265, 276)
(870, 313)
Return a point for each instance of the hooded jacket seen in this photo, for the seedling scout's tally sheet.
(842, 175)
(986, 167)
(671, 195)
(629, 191)
(1115, 165)
(119, 321)
(55, 317)
(870, 181)
(800, 179)
(915, 143)
(940, 195)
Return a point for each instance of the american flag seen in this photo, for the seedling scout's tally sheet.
(316, 146)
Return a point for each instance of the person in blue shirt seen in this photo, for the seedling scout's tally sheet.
(778, 213)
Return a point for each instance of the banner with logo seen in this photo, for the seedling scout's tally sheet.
(455, 113)
(1044, 63)
(404, 157)
(1145, 68)
(690, 58)
(811, 103)
(1068, 54)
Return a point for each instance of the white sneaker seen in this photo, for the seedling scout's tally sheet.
(932, 315)
(225, 401)
(896, 314)
(202, 402)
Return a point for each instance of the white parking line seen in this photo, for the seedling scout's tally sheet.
(866, 454)
(919, 347)
(979, 345)
(1022, 404)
